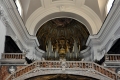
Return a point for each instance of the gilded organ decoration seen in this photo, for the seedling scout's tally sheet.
(62, 49)
(62, 38)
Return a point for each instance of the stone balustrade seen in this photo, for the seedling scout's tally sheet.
(12, 59)
(65, 65)
(13, 55)
(112, 57)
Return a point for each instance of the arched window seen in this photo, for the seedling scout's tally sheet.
(19, 6)
(109, 5)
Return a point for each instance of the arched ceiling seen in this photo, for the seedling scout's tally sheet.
(63, 29)
(92, 11)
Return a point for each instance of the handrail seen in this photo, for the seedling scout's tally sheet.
(65, 65)
(13, 55)
(112, 57)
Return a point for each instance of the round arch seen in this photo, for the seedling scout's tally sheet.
(42, 72)
(84, 15)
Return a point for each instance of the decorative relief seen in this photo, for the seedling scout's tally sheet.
(62, 8)
(1, 11)
(3, 17)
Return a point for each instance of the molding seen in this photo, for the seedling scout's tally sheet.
(91, 19)
(107, 35)
(38, 72)
(17, 25)
(11, 19)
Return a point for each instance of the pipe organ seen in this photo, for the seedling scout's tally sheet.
(62, 49)
(62, 38)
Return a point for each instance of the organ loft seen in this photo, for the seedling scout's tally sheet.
(62, 40)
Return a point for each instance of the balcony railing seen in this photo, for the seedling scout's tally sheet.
(12, 59)
(13, 55)
(65, 65)
(112, 57)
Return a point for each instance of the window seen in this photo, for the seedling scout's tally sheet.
(109, 5)
(19, 6)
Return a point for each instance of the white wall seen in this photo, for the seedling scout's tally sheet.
(2, 37)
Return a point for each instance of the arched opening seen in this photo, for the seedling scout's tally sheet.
(115, 49)
(61, 77)
(10, 46)
(62, 38)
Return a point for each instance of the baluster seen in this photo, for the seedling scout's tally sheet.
(17, 74)
(20, 56)
(110, 75)
(20, 73)
(7, 56)
(117, 58)
(14, 56)
(57, 64)
(70, 65)
(4, 56)
(77, 64)
(25, 70)
(29, 67)
(102, 71)
(44, 64)
(11, 56)
(106, 58)
(113, 58)
(113, 76)
(107, 73)
(110, 58)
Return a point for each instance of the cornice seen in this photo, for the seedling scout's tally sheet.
(107, 27)
(17, 25)
(101, 43)
(3, 17)
(89, 16)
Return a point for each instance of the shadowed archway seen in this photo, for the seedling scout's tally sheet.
(61, 77)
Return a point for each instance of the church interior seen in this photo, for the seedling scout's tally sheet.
(59, 39)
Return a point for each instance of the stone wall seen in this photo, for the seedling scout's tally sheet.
(4, 72)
